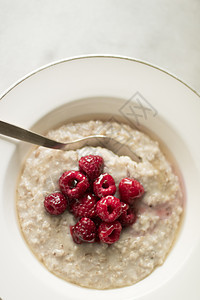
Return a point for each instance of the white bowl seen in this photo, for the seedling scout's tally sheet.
(106, 87)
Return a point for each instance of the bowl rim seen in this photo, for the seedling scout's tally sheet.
(78, 57)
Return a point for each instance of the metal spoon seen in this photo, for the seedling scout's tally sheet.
(94, 141)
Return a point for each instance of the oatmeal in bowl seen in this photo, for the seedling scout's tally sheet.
(94, 218)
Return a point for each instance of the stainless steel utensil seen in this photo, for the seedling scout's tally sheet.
(94, 141)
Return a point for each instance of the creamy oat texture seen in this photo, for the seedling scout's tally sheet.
(141, 247)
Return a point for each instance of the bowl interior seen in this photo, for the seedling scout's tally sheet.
(108, 110)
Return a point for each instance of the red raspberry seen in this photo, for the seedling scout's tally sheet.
(85, 206)
(75, 238)
(91, 165)
(104, 185)
(55, 203)
(125, 206)
(109, 208)
(130, 189)
(73, 184)
(109, 232)
(83, 231)
(128, 216)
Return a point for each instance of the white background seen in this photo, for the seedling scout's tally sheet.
(165, 33)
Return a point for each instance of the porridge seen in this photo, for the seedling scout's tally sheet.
(141, 246)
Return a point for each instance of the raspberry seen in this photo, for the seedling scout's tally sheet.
(128, 216)
(109, 208)
(83, 231)
(130, 189)
(73, 184)
(55, 203)
(75, 238)
(125, 206)
(92, 166)
(85, 206)
(104, 185)
(109, 232)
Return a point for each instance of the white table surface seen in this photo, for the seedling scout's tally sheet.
(164, 33)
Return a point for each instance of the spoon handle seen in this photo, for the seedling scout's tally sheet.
(26, 135)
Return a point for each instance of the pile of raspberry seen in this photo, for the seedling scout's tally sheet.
(89, 195)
